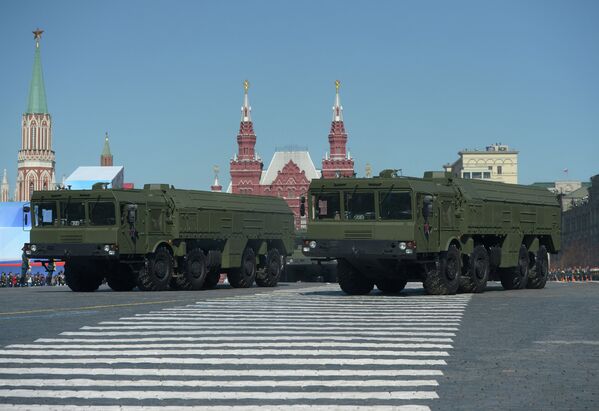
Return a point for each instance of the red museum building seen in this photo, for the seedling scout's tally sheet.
(291, 169)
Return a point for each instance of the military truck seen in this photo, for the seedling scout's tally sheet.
(160, 237)
(452, 234)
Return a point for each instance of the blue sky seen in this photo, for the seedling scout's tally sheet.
(421, 80)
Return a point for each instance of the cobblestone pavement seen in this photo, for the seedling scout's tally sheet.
(302, 346)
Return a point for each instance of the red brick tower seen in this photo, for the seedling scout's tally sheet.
(246, 167)
(106, 156)
(36, 160)
(338, 163)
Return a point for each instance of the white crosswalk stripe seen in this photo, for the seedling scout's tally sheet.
(299, 349)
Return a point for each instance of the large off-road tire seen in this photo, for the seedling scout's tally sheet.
(351, 280)
(122, 279)
(391, 285)
(157, 272)
(477, 274)
(272, 271)
(81, 277)
(515, 278)
(443, 277)
(537, 277)
(244, 276)
(195, 271)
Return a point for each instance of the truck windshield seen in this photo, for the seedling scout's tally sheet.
(395, 206)
(44, 213)
(72, 213)
(326, 206)
(102, 213)
(359, 206)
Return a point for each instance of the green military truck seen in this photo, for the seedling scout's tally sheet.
(450, 233)
(159, 237)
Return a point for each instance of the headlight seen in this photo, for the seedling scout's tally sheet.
(306, 249)
(312, 244)
(33, 248)
(106, 248)
(402, 246)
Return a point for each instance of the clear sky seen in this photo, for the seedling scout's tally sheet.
(421, 80)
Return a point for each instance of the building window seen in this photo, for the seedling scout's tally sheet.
(486, 174)
(477, 174)
(499, 170)
(465, 175)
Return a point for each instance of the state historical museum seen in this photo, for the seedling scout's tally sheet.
(291, 170)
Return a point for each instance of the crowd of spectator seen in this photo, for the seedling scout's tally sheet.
(31, 280)
(568, 274)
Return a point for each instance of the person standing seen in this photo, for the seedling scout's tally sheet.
(24, 268)
(50, 267)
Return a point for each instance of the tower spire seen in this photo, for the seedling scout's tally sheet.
(36, 159)
(36, 103)
(338, 163)
(106, 157)
(246, 166)
(337, 108)
(4, 188)
(246, 110)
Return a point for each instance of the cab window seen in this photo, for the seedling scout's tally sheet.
(395, 206)
(102, 213)
(326, 206)
(72, 213)
(359, 206)
(44, 213)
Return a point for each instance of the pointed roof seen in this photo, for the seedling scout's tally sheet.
(36, 102)
(337, 108)
(106, 149)
(281, 158)
(5, 178)
(246, 110)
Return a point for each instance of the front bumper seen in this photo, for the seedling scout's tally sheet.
(62, 251)
(404, 250)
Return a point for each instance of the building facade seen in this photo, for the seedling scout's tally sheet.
(496, 163)
(291, 169)
(580, 231)
(36, 159)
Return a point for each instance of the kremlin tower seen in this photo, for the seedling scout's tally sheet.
(246, 166)
(338, 163)
(36, 159)
(106, 157)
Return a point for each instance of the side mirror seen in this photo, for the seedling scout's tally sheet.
(26, 210)
(302, 206)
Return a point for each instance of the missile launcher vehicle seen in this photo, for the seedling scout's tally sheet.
(160, 237)
(450, 233)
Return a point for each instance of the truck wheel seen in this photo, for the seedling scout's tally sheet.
(212, 279)
(244, 276)
(157, 272)
(195, 271)
(516, 278)
(537, 278)
(351, 281)
(123, 279)
(475, 280)
(80, 278)
(443, 277)
(391, 285)
(272, 271)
